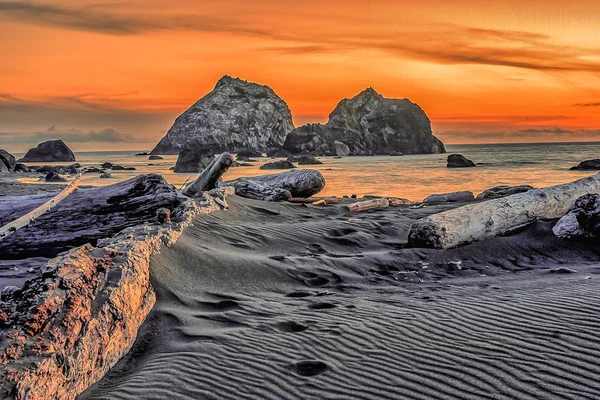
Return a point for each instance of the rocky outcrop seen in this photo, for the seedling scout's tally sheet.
(304, 159)
(582, 220)
(459, 161)
(191, 161)
(503, 191)
(368, 124)
(283, 164)
(49, 151)
(237, 115)
(454, 197)
(7, 160)
(588, 165)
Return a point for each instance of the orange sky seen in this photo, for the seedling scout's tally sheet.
(107, 75)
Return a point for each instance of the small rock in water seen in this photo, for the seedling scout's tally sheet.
(562, 270)
(105, 175)
(52, 177)
(459, 161)
(107, 165)
(283, 164)
(155, 157)
(163, 215)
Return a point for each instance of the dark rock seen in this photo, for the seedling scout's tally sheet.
(283, 164)
(304, 159)
(21, 168)
(49, 151)
(106, 175)
(248, 153)
(52, 177)
(582, 220)
(144, 153)
(163, 215)
(502, 191)
(245, 158)
(57, 169)
(278, 153)
(367, 124)
(191, 161)
(237, 164)
(155, 157)
(562, 270)
(107, 165)
(237, 115)
(454, 197)
(396, 154)
(8, 160)
(459, 161)
(588, 165)
(122, 168)
(93, 170)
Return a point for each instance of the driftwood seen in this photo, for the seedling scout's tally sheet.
(85, 216)
(312, 200)
(298, 183)
(26, 219)
(210, 176)
(368, 205)
(496, 217)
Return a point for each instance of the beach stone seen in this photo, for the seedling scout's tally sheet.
(304, 159)
(459, 161)
(582, 220)
(502, 191)
(588, 165)
(454, 197)
(21, 168)
(49, 151)
(155, 157)
(367, 124)
(106, 175)
(53, 177)
(8, 160)
(235, 116)
(163, 215)
(191, 161)
(283, 164)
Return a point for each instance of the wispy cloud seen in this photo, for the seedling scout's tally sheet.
(587, 104)
(521, 135)
(107, 135)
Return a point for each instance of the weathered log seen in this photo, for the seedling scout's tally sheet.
(473, 222)
(251, 189)
(26, 219)
(453, 197)
(310, 200)
(85, 216)
(298, 182)
(368, 205)
(210, 176)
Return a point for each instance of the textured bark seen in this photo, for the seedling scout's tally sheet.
(495, 217)
(85, 216)
(66, 329)
(300, 183)
(211, 175)
(368, 205)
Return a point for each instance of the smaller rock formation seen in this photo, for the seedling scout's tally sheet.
(341, 149)
(49, 151)
(191, 161)
(459, 161)
(53, 177)
(283, 164)
(581, 220)
(248, 153)
(502, 191)
(276, 153)
(588, 165)
(122, 168)
(8, 160)
(144, 153)
(106, 175)
(454, 197)
(304, 160)
(155, 157)
(107, 165)
(21, 168)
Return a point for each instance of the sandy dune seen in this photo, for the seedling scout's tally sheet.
(279, 301)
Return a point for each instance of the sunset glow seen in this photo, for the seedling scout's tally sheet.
(484, 71)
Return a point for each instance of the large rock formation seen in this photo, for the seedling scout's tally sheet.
(237, 115)
(49, 151)
(368, 124)
(7, 161)
(581, 220)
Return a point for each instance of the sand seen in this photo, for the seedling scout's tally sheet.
(282, 301)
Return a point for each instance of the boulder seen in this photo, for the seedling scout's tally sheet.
(21, 168)
(367, 124)
(236, 115)
(502, 191)
(283, 164)
(107, 165)
(106, 175)
(155, 157)
(190, 161)
(278, 153)
(304, 159)
(454, 197)
(581, 220)
(49, 151)
(592, 165)
(8, 160)
(459, 161)
(272, 187)
(53, 177)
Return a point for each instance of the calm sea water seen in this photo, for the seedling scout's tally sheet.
(412, 176)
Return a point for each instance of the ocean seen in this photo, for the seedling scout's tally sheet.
(410, 176)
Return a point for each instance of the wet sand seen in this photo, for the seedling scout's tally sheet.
(282, 301)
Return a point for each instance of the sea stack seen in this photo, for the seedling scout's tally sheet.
(49, 151)
(236, 115)
(368, 124)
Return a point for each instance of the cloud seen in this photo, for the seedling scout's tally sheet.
(521, 135)
(107, 135)
(587, 104)
(94, 19)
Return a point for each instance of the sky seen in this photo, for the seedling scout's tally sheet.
(112, 74)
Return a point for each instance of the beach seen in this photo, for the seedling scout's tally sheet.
(280, 301)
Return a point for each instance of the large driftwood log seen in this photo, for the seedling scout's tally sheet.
(495, 217)
(85, 216)
(210, 176)
(299, 183)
